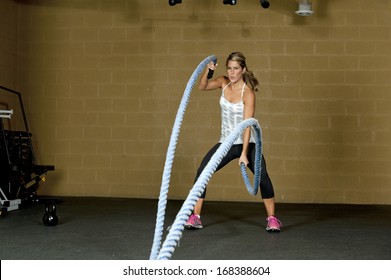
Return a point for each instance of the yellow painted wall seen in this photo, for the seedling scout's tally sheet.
(8, 43)
(102, 81)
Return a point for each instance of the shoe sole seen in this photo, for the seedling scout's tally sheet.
(193, 227)
(273, 230)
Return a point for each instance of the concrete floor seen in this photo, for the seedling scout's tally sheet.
(122, 229)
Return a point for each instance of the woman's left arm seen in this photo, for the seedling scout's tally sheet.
(249, 110)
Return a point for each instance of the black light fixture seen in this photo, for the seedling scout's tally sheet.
(265, 4)
(229, 2)
(174, 2)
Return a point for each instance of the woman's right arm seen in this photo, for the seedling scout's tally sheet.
(206, 84)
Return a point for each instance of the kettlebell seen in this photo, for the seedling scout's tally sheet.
(50, 218)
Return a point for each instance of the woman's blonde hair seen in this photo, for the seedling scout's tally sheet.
(248, 76)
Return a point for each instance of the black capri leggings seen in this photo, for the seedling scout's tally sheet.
(266, 186)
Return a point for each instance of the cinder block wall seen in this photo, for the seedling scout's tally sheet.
(103, 80)
(8, 64)
(8, 43)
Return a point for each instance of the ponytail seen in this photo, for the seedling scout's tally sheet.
(251, 80)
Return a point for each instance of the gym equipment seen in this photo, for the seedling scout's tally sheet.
(50, 218)
(165, 251)
(20, 174)
(51, 207)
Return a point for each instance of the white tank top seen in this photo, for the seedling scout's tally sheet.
(231, 116)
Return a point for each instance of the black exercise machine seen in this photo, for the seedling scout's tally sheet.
(20, 174)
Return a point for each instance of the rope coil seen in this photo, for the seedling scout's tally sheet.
(165, 251)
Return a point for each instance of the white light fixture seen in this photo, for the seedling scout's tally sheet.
(305, 8)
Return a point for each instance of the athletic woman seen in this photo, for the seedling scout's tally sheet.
(237, 103)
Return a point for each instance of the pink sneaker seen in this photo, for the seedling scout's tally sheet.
(194, 222)
(273, 224)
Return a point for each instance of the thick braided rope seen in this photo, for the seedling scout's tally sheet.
(170, 156)
(253, 189)
(176, 229)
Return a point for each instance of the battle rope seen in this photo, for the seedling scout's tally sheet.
(170, 157)
(176, 229)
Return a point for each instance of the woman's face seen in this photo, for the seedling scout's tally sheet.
(234, 71)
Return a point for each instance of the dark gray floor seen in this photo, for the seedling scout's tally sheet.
(122, 229)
